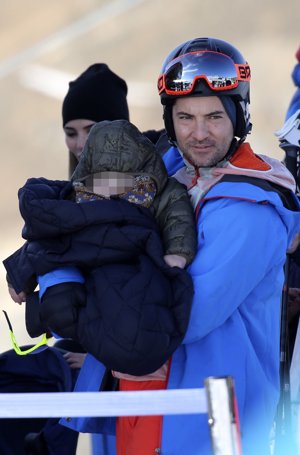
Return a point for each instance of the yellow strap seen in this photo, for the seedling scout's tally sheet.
(15, 345)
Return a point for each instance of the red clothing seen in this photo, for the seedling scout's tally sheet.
(139, 435)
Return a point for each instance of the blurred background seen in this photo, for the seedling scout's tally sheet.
(46, 44)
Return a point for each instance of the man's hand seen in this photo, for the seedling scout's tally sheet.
(174, 260)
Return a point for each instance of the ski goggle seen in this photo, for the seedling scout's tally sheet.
(218, 70)
(40, 346)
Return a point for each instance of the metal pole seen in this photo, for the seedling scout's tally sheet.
(223, 416)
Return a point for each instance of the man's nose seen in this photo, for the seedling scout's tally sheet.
(200, 131)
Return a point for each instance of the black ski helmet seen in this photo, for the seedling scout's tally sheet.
(206, 67)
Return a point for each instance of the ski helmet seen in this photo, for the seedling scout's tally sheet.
(206, 67)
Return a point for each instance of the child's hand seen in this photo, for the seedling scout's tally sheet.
(174, 260)
(18, 298)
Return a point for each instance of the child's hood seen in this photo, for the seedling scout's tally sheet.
(119, 146)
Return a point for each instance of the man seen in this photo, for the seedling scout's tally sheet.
(244, 227)
(244, 230)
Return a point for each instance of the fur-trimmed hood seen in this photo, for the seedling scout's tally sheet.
(119, 146)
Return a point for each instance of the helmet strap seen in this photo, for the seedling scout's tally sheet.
(232, 148)
(169, 126)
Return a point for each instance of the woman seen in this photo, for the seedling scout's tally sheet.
(97, 94)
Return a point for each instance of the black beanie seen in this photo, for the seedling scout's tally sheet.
(97, 94)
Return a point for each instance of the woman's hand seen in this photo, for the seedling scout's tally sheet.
(18, 298)
(74, 359)
(294, 303)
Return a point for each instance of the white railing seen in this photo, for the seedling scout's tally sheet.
(216, 399)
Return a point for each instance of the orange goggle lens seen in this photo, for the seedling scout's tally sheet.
(218, 70)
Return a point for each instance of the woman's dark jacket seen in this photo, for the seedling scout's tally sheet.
(137, 308)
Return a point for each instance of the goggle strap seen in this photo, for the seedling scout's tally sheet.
(243, 71)
(16, 347)
(8, 321)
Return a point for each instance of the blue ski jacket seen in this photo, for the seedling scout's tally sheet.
(244, 231)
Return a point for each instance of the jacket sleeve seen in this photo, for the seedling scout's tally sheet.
(20, 274)
(176, 220)
(239, 243)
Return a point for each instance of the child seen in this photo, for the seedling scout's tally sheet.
(118, 166)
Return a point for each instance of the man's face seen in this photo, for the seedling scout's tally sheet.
(203, 129)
